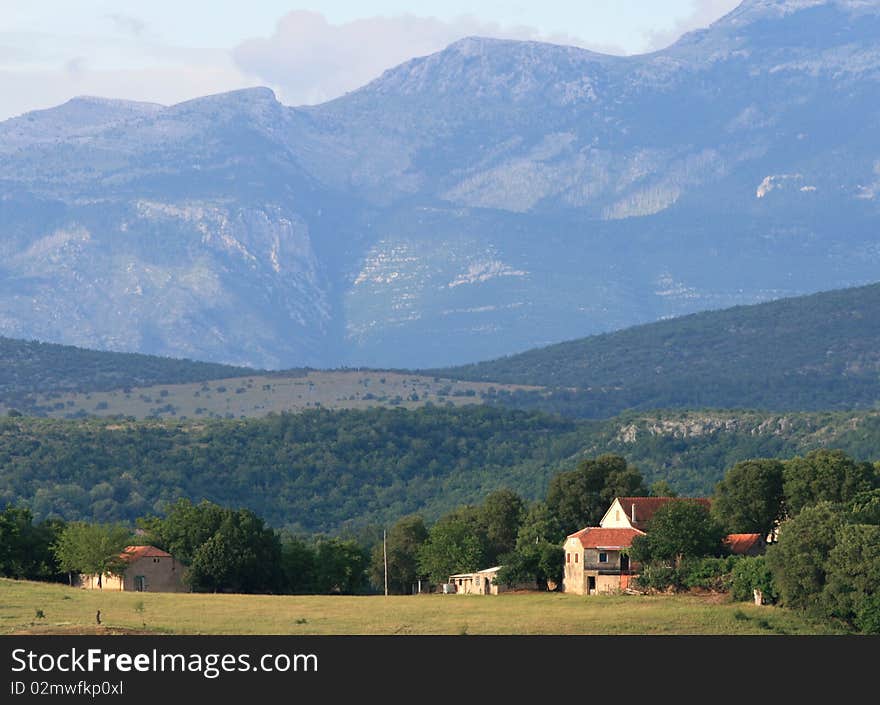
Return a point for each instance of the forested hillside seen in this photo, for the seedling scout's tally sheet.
(805, 353)
(330, 471)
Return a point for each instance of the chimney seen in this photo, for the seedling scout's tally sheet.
(633, 513)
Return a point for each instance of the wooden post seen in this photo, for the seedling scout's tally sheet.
(385, 559)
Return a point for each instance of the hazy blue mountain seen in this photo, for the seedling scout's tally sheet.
(492, 197)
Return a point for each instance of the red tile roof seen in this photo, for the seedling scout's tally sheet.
(647, 506)
(742, 543)
(135, 553)
(597, 537)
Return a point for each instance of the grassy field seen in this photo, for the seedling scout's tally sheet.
(72, 610)
(259, 395)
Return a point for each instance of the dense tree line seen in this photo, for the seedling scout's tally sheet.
(319, 471)
(324, 471)
(222, 549)
(807, 353)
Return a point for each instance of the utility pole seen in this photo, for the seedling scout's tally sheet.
(385, 559)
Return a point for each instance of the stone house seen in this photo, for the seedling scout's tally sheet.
(147, 569)
(596, 559)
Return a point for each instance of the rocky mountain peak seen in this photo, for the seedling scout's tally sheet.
(750, 11)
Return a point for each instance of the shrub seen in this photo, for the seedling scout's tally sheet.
(709, 573)
(749, 574)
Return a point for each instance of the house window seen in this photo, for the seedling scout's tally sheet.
(575, 557)
(568, 558)
(603, 557)
(617, 515)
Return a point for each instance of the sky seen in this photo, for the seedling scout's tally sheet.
(168, 51)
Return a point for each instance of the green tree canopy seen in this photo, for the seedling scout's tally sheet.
(92, 549)
(25, 547)
(403, 542)
(750, 498)
(298, 565)
(540, 525)
(852, 588)
(825, 476)
(341, 566)
(185, 527)
(798, 559)
(502, 514)
(242, 555)
(678, 530)
(580, 497)
(454, 546)
(540, 564)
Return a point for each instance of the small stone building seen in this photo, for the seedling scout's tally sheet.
(482, 583)
(147, 569)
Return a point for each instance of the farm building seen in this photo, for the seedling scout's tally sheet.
(147, 569)
(596, 559)
(482, 582)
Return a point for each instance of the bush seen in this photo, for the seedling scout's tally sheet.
(749, 574)
(659, 577)
(709, 573)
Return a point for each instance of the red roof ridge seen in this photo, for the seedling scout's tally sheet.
(598, 536)
(742, 543)
(133, 553)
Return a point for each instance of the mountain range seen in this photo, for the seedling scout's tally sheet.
(490, 198)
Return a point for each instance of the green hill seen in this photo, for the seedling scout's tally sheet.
(806, 353)
(328, 471)
(31, 368)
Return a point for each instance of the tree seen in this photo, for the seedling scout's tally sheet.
(824, 475)
(26, 548)
(92, 549)
(540, 564)
(502, 513)
(662, 488)
(298, 565)
(852, 583)
(403, 542)
(750, 498)
(341, 566)
(242, 555)
(864, 508)
(540, 525)
(453, 546)
(185, 528)
(798, 560)
(580, 497)
(679, 529)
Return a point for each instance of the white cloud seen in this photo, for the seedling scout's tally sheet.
(705, 12)
(309, 60)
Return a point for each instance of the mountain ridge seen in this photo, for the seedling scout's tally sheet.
(492, 197)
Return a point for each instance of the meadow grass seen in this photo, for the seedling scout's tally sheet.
(257, 396)
(72, 610)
